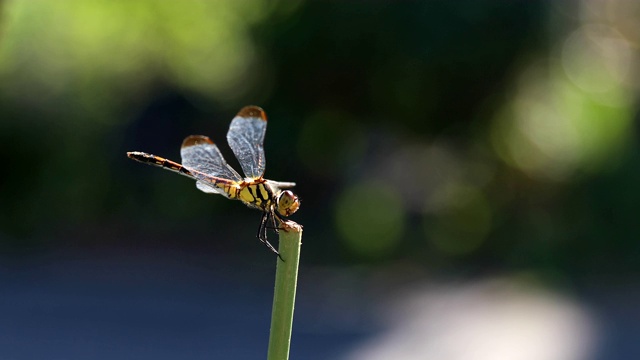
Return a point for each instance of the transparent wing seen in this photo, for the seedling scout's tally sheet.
(281, 184)
(246, 138)
(210, 189)
(199, 153)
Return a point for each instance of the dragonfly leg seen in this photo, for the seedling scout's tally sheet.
(276, 220)
(276, 227)
(262, 230)
(262, 234)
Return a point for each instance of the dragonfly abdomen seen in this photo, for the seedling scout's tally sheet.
(159, 161)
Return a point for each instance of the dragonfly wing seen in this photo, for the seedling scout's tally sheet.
(210, 189)
(246, 138)
(199, 153)
(281, 184)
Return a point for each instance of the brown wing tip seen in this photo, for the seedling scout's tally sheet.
(253, 111)
(192, 140)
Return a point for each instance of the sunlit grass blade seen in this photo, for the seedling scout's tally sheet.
(285, 291)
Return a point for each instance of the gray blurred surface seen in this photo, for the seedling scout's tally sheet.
(163, 305)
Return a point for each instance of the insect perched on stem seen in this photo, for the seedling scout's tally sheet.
(203, 162)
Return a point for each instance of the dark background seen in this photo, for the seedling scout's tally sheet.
(468, 174)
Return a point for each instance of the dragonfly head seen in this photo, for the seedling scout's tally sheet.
(288, 203)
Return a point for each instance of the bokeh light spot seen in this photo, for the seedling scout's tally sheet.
(555, 125)
(596, 58)
(106, 47)
(370, 218)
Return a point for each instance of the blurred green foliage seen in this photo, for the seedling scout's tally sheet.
(486, 134)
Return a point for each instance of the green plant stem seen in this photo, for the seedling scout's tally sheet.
(284, 296)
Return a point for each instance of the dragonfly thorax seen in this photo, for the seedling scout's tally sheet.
(255, 194)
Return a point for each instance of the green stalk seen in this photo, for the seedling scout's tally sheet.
(284, 296)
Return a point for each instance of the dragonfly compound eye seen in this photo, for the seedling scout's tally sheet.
(288, 203)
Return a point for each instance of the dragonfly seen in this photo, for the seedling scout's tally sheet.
(203, 162)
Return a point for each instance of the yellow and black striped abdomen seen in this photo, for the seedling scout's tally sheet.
(255, 194)
(159, 161)
(213, 184)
